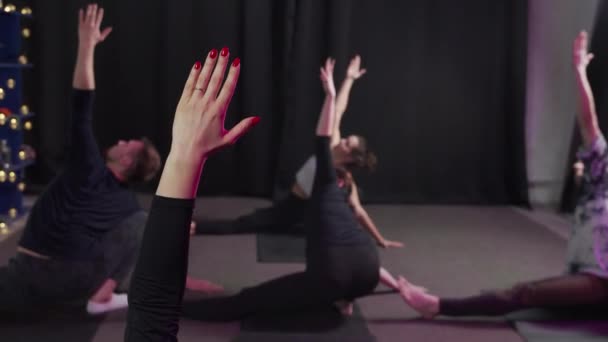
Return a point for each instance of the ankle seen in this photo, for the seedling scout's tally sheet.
(432, 308)
(100, 299)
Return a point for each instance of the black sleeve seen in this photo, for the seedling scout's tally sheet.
(325, 172)
(157, 286)
(83, 151)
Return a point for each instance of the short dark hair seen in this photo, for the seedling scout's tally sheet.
(146, 163)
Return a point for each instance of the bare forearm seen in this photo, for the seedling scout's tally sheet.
(341, 104)
(342, 98)
(327, 117)
(180, 176)
(84, 75)
(587, 117)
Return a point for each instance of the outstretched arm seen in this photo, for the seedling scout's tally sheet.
(366, 221)
(198, 130)
(89, 35)
(353, 73)
(325, 125)
(82, 148)
(587, 116)
(325, 173)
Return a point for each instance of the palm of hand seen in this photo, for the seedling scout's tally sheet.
(355, 71)
(581, 57)
(89, 22)
(327, 77)
(354, 68)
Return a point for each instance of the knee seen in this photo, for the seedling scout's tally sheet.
(521, 293)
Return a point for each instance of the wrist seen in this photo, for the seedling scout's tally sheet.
(580, 70)
(179, 178)
(86, 46)
(184, 158)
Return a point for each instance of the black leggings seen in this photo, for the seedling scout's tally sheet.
(332, 273)
(558, 292)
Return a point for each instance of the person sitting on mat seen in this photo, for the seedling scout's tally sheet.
(342, 261)
(287, 216)
(586, 280)
(82, 236)
(159, 278)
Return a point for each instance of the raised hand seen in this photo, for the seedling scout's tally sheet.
(327, 77)
(354, 70)
(580, 55)
(198, 127)
(89, 23)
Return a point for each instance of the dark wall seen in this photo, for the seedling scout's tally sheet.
(442, 102)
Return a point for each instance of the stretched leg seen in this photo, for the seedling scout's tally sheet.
(30, 286)
(294, 292)
(562, 291)
(14, 299)
(121, 248)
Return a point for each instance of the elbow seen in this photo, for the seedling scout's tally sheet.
(360, 214)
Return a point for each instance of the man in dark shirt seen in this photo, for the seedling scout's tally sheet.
(83, 233)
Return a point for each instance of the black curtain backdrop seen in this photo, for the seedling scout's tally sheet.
(442, 103)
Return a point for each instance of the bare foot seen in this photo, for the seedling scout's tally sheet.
(345, 307)
(425, 304)
(115, 302)
(419, 288)
(105, 292)
(192, 228)
(202, 285)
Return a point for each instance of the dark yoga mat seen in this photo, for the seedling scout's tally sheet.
(280, 248)
(322, 326)
(56, 327)
(561, 326)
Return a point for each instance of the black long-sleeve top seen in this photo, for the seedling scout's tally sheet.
(84, 202)
(157, 286)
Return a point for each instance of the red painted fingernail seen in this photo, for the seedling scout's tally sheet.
(255, 120)
(224, 52)
(213, 53)
(197, 65)
(236, 62)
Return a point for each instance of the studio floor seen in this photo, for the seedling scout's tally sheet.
(451, 250)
